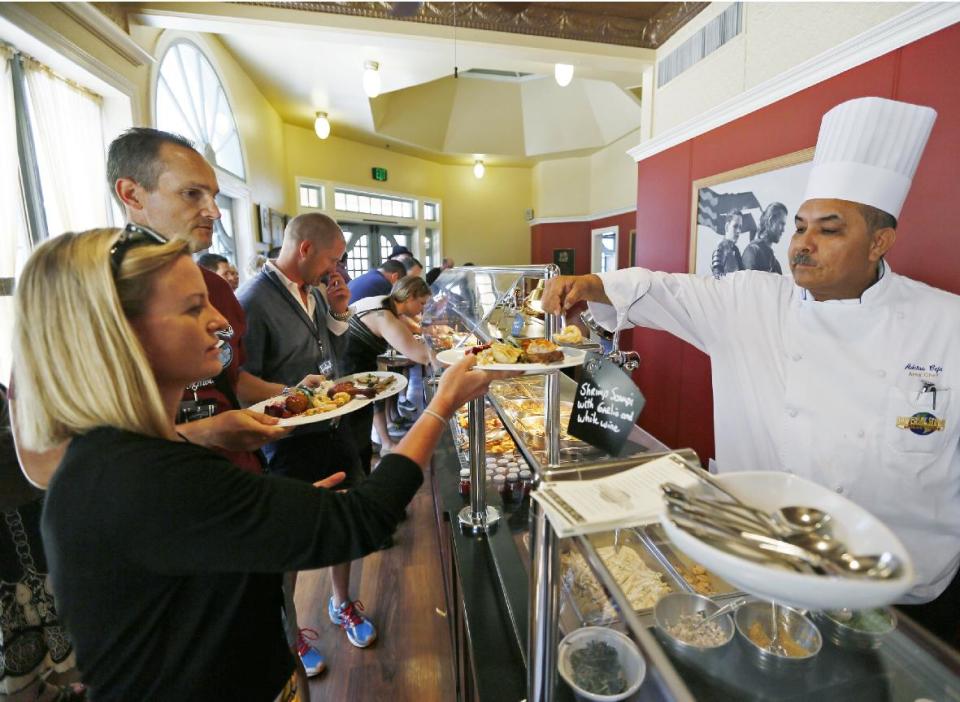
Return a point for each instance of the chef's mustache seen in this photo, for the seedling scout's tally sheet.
(801, 259)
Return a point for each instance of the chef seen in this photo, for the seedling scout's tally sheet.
(844, 374)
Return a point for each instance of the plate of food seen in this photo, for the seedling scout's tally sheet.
(527, 355)
(382, 384)
(301, 405)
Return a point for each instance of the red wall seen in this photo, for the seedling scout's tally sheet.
(544, 238)
(674, 377)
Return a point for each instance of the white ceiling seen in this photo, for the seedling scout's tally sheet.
(305, 62)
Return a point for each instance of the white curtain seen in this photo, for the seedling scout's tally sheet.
(14, 244)
(68, 133)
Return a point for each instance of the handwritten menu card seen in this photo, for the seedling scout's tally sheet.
(606, 405)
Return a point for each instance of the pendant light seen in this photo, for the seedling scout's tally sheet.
(371, 78)
(478, 168)
(322, 125)
(563, 73)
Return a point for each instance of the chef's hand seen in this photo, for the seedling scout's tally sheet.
(312, 381)
(562, 293)
(338, 294)
(236, 430)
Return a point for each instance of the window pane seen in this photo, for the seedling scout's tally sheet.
(397, 208)
(363, 204)
(191, 102)
(304, 197)
(376, 206)
(408, 210)
(339, 200)
(351, 203)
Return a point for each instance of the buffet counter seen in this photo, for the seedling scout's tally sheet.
(487, 587)
(514, 589)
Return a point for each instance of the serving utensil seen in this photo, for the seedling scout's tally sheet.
(880, 566)
(728, 608)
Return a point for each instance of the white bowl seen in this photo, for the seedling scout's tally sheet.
(634, 667)
(861, 531)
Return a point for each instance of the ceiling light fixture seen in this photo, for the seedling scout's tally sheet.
(478, 169)
(563, 73)
(371, 78)
(322, 125)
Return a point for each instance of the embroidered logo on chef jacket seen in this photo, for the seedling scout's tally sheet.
(922, 423)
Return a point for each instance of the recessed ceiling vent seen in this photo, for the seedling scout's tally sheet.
(715, 34)
(494, 74)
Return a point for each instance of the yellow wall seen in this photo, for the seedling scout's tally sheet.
(482, 219)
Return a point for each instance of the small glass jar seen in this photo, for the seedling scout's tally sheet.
(526, 482)
(514, 489)
(500, 485)
(464, 487)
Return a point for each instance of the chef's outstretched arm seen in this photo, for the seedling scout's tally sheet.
(562, 293)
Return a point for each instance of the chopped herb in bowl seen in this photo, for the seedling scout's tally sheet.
(597, 669)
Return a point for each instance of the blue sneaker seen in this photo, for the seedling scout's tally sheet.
(312, 660)
(360, 631)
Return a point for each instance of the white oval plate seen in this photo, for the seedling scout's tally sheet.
(399, 385)
(860, 530)
(571, 357)
(352, 406)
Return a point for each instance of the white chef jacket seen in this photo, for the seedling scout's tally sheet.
(828, 391)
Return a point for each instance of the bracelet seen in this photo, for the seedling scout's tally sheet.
(436, 415)
(341, 316)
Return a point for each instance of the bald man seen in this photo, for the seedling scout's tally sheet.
(294, 322)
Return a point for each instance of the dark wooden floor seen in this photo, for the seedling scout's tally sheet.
(402, 591)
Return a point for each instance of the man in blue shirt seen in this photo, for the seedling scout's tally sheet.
(376, 282)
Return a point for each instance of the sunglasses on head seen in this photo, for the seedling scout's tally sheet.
(132, 235)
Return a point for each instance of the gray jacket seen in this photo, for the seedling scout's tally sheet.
(282, 343)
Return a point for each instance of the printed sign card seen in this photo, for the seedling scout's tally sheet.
(606, 405)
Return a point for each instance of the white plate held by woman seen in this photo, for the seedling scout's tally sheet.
(571, 357)
(299, 419)
(858, 529)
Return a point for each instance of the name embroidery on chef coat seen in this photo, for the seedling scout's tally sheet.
(922, 423)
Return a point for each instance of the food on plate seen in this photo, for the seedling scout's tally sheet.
(377, 382)
(305, 402)
(597, 670)
(543, 351)
(642, 586)
(570, 334)
(510, 352)
(691, 629)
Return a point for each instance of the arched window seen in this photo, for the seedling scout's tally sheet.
(191, 102)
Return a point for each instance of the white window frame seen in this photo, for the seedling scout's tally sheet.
(417, 222)
(167, 41)
(596, 236)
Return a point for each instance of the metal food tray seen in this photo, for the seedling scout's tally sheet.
(678, 563)
(629, 540)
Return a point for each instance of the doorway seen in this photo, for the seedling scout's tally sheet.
(603, 249)
(369, 245)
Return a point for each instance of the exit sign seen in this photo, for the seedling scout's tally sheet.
(379, 173)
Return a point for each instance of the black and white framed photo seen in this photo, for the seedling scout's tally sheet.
(743, 219)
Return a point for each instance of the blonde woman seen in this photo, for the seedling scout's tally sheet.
(166, 559)
(376, 324)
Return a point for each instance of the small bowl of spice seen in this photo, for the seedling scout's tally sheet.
(862, 629)
(680, 619)
(600, 664)
(796, 640)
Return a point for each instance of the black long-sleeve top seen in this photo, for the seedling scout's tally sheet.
(166, 562)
